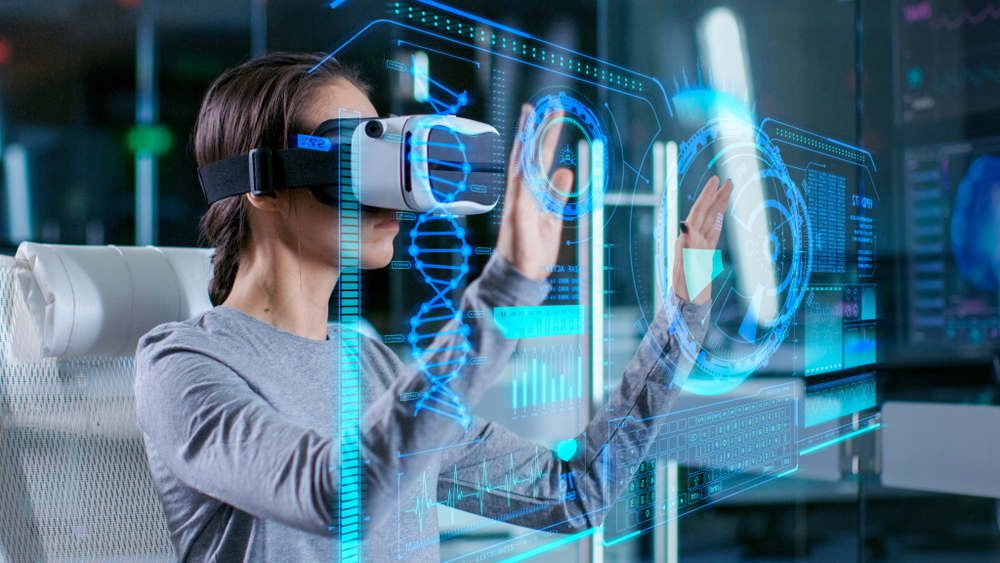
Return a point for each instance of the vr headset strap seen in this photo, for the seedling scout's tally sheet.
(263, 171)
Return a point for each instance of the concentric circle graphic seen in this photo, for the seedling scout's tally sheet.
(764, 252)
(578, 121)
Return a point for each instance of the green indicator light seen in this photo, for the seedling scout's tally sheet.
(149, 139)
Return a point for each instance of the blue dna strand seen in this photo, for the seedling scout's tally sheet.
(441, 257)
(424, 81)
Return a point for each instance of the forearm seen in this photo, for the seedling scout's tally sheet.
(393, 427)
(550, 490)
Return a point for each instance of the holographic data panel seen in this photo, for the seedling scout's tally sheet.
(792, 294)
(834, 337)
(432, 59)
(951, 241)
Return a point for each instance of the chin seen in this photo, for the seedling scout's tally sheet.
(375, 257)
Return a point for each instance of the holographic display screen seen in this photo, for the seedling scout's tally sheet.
(951, 241)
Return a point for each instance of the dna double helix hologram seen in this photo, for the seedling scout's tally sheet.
(441, 258)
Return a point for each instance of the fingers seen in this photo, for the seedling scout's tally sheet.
(550, 143)
(514, 166)
(696, 216)
(716, 210)
(563, 182)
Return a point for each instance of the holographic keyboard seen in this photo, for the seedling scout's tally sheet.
(720, 450)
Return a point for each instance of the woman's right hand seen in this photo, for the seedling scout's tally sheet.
(529, 238)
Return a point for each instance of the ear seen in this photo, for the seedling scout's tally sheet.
(274, 202)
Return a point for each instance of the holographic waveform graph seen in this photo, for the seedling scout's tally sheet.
(923, 11)
(507, 485)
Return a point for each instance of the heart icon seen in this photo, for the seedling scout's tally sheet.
(566, 449)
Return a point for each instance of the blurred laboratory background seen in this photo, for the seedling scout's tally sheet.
(98, 100)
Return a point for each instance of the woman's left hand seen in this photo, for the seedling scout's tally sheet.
(529, 238)
(701, 230)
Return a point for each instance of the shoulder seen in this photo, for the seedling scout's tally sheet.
(213, 339)
(204, 332)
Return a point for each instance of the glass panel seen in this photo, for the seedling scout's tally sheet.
(847, 274)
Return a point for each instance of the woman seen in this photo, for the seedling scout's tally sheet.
(239, 406)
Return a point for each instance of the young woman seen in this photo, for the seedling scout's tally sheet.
(240, 406)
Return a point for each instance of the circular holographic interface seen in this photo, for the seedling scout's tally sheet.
(568, 122)
(760, 269)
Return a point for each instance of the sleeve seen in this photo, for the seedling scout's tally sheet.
(513, 480)
(392, 428)
(221, 438)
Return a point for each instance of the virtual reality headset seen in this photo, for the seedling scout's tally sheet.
(419, 163)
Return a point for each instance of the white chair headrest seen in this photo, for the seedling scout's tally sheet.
(99, 300)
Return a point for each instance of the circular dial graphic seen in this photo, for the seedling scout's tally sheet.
(759, 271)
(579, 128)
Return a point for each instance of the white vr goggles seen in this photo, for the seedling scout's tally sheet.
(420, 163)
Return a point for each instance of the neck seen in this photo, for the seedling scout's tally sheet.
(278, 286)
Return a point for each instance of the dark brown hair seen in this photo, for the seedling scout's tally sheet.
(256, 104)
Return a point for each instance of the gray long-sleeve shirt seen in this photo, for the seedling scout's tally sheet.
(239, 420)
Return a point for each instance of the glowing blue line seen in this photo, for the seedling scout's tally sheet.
(441, 86)
(440, 412)
(834, 141)
(634, 170)
(712, 500)
(444, 163)
(428, 144)
(841, 439)
(335, 3)
(441, 318)
(447, 349)
(550, 546)
(439, 364)
(401, 42)
(431, 335)
(348, 42)
(437, 233)
(475, 18)
(525, 35)
(623, 538)
(666, 99)
(401, 454)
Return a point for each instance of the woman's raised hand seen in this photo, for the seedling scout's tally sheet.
(701, 230)
(529, 238)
